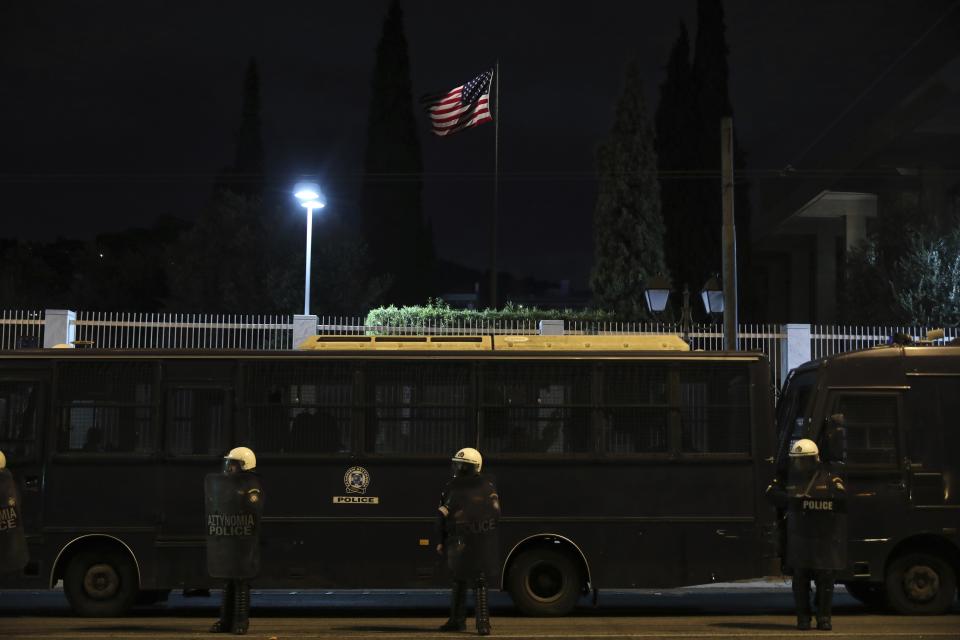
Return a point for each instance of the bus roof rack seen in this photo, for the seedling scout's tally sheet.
(634, 342)
(398, 343)
(638, 342)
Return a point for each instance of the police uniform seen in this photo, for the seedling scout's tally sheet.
(467, 521)
(13, 542)
(815, 504)
(234, 507)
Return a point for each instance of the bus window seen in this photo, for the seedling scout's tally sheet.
(714, 409)
(418, 408)
(197, 421)
(18, 420)
(635, 408)
(534, 407)
(871, 424)
(297, 407)
(106, 407)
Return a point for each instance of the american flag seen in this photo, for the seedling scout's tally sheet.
(462, 107)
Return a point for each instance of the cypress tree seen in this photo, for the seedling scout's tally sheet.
(393, 224)
(710, 74)
(245, 177)
(676, 144)
(628, 227)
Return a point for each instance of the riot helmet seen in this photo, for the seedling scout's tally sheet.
(467, 461)
(3, 461)
(239, 459)
(804, 460)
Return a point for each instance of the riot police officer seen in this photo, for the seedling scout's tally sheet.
(234, 506)
(815, 502)
(469, 512)
(13, 542)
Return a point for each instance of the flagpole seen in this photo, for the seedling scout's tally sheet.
(496, 188)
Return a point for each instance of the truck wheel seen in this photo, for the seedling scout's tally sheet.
(920, 584)
(544, 582)
(869, 594)
(100, 583)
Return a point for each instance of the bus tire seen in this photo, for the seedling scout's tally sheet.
(100, 583)
(869, 594)
(544, 582)
(920, 584)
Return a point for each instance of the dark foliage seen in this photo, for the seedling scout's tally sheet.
(398, 238)
(628, 227)
(694, 98)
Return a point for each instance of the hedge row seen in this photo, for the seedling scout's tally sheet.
(438, 313)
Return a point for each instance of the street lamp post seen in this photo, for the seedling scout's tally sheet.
(310, 197)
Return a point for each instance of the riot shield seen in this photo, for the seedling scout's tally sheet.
(13, 541)
(816, 523)
(473, 546)
(234, 505)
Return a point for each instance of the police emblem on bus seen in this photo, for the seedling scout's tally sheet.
(356, 480)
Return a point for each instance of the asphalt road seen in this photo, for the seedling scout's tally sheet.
(720, 611)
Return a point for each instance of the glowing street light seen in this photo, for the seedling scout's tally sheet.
(310, 197)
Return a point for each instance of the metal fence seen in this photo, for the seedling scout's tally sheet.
(25, 329)
(826, 340)
(21, 329)
(182, 331)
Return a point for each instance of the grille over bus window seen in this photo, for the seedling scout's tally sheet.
(197, 421)
(18, 420)
(536, 407)
(418, 408)
(871, 424)
(107, 407)
(715, 409)
(636, 403)
(299, 407)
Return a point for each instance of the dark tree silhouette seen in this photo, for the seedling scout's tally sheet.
(393, 225)
(694, 99)
(676, 127)
(628, 227)
(246, 176)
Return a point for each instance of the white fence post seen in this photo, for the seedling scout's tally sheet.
(59, 327)
(551, 328)
(794, 348)
(303, 327)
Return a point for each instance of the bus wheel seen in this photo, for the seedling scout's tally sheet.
(921, 584)
(544, 582)
(869, 594)
(100, 583)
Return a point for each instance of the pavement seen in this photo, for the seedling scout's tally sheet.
(757, 610)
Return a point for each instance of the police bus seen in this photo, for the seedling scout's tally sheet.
(901, 409)
(622, 462)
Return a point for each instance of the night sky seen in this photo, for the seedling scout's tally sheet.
(113, 113)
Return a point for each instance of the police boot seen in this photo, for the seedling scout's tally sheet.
(224, 624)
(801, 598)
(241, 608)
(824, 603)
(458, 608)
(483, 608)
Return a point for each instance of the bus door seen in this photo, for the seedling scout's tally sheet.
(933, 446)
(23, 394)
(198, 408)
(876, 481)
